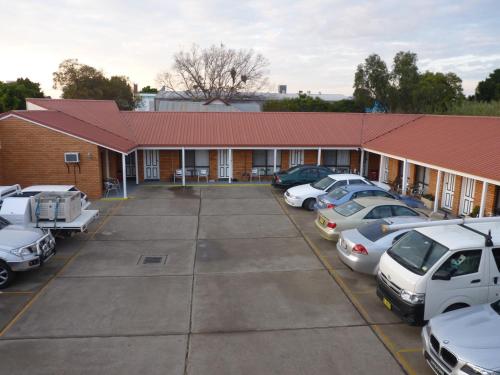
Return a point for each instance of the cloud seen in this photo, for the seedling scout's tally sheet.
(312, 45)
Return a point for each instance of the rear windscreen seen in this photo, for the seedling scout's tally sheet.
(349, 208)
(373, 231)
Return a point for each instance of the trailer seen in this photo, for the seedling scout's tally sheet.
(18, 210)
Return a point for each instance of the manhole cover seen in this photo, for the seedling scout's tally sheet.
(150, 259)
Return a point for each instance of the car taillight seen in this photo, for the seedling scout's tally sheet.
(360, 249)
(278, 179)
(331, 225)
(329, 205)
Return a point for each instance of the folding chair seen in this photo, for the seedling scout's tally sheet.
(111, 184)
(255, 172)
(178, 174)
(202, 173)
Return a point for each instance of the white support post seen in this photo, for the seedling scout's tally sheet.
(230, 161)
(136, 168)
(381, 168)
(275, 159)
(106, 158)
(362, 162)
(483, 199)
(367, 163)
(124, 177)
(319, 156)
(437, 193)
(404, 182)
(183, 157)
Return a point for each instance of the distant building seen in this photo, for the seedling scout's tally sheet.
(168, 101)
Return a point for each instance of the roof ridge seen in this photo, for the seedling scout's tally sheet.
(393, 129)
(72, 99)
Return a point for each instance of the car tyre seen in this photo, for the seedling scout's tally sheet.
(6, 275)
(309, 204)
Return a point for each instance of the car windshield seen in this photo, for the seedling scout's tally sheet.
(323, 183)
(349, 208)
(416, 252)
(3, 222)
(496, 306)
(337, 193)
(373, 231)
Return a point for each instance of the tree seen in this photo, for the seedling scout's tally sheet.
(371, 82)
(13, 94)
(80, 81)
(489, 89)
(215, 72)
(404, 79)
(306, 103)
(437, 92)
(149, 90)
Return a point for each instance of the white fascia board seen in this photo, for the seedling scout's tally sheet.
(60, 131)
(432, 166)
(248, 148)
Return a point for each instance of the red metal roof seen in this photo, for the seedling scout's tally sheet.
(73, 126)
(461, 143)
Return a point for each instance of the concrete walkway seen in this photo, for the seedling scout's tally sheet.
(199, 280)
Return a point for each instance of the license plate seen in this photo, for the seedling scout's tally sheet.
(322, 220)
(387, 303)
(435, 367)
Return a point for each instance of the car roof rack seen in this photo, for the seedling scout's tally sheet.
(436, 223)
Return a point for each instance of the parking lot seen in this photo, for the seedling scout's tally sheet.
(201, 280)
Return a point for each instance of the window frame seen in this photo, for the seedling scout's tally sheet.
(454, 255)
(343, 167)
(267, 167)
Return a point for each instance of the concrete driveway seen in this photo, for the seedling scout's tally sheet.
(203, 280)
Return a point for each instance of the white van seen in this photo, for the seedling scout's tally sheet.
(441, 266)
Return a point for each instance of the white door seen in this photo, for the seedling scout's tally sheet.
(151, 164)
(448, 190)
(494, 293)
(384, 162)
(467, 198)
(223, 163)
(296, 157)
(468, 283)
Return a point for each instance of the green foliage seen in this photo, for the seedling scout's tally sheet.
(80, 81)
(489, 89)
(404, 89)
(13, 94)
(475, 211)
(149, 90)
(473, 108)
(306, 103)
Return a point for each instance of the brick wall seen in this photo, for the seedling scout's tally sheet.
(310, 156)
(355, 160)
(169, 162)
(490, 198)
(32, 155)
(242, 164)
(393, 170)
(285, 159)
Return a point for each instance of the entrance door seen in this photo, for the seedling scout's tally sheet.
(130, 165)
(467, 199)
(448, 190)
(296, 157)
(223, 163)
(151, 164)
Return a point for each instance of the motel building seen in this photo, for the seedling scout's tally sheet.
(452, 161)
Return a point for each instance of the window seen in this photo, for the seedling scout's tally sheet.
(196, 160)
(3, 223)
(357, 182)
(374, 231)
(462, 263)
(339, 160)
(323, 183)
(416, 252)
(339, 184)
(496, 255)
(379, 212)
(362, 194)
(309, 174)
(422, 178)
(403, 211)
(264, 160)
(337, 193)
(380, 193)
(349, 208)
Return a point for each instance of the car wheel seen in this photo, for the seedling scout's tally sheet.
(6, 275)
(309, 204)
(455, 306)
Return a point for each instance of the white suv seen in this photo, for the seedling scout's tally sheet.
(305, 195)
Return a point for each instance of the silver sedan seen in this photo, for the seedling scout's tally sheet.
(361, 248)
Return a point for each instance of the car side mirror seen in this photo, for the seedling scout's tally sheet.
(442, 275)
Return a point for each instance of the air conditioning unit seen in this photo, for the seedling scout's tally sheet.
(71, 157)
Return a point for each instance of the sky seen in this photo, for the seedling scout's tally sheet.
(311, 45)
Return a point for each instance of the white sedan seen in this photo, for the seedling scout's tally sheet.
(305, 195)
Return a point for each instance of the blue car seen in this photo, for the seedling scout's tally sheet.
(346, 193)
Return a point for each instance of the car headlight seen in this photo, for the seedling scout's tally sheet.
(24, 251)
(476, 370)
(413, 298)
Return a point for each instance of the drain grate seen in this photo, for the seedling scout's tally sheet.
(148, 259)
